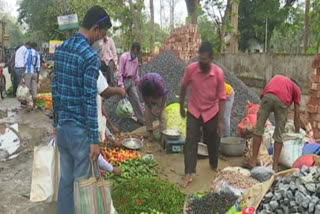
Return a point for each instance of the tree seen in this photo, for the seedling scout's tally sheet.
(307, 26)
(152, 25)
(219, 13)
(234, 43)
(192, 7)
(255, 15)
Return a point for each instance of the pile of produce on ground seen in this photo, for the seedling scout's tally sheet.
(232, 179)
(135, 168)
(117, 155)
(294, 193)
(140, 195)
(212, 203)
(44, 100)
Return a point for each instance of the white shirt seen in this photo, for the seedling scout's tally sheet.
(102, 85)
(21, 54)
(32, 61)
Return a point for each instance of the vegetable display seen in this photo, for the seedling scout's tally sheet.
(136, 168)
(147, 195)
(118, 155)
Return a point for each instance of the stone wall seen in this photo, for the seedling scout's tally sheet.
(256, 69)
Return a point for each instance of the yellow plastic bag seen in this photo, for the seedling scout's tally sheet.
(174, 119)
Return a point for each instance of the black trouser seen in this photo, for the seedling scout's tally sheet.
(210, 136)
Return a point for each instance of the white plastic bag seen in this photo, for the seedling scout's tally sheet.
(292, 148)
(45, 173)
(124, 109)
(23, 93)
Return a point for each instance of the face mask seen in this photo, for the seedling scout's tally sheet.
(133, 56)
(204, 66)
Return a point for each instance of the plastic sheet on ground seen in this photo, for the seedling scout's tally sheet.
(9, 142)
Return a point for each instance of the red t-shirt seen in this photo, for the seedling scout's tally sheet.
(286, 90)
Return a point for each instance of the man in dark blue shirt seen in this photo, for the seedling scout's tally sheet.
(74, 91)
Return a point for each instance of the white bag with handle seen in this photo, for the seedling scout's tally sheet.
(45, 173)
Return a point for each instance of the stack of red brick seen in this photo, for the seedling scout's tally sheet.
(184, 41)
(313, 105)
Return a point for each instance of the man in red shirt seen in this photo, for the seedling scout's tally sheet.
(205, 109)
(277, 97)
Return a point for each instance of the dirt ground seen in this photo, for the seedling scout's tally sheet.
(35, 128)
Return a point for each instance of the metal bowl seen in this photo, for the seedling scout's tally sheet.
(132, 143)
(172, 133)
(232, 146)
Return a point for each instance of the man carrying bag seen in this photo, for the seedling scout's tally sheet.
(74, 91)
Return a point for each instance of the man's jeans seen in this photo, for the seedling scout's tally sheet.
(18, 77)
(74, 148)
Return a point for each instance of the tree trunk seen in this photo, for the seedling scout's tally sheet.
(223, 26)
(135, 21)
(161, 11)
(172, 4)
(192, 7)
(234, 44)
(307, 26)
(152, 26)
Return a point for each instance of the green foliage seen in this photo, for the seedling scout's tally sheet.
(41, 18)
(253, 16)
(315, 26)
(288, 37)
(208, 32)
(16, 37)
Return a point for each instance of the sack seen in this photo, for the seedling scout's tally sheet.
(174, 119)
(304, 160)
(292, 148)
(311, 148)
(124, 109)
(262, 173)
(92, 195)
(45, 173)
(247, 126)
(263, 156)
(253, 196)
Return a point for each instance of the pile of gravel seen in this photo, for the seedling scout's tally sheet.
(172, 69)
(294, 193)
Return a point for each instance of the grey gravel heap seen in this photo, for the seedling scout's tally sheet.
(295, 193)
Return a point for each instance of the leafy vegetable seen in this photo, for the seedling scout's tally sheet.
(136, 168)
(147, 195)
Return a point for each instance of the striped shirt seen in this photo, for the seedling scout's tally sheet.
(74, 88)
(32, 61)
